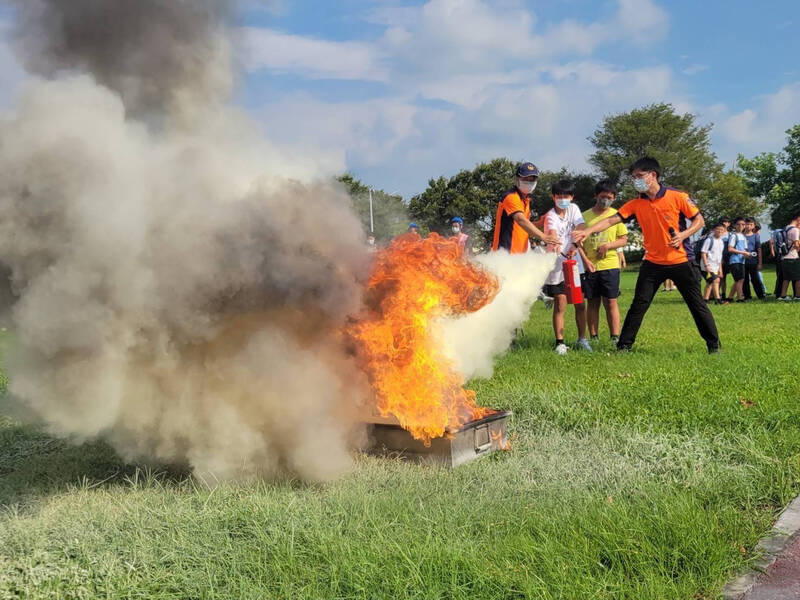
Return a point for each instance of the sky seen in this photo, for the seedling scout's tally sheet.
(400, 92)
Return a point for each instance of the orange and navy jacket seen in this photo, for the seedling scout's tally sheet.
(670, 208)
(507, 234)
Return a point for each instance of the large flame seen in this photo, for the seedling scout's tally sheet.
(414, 281)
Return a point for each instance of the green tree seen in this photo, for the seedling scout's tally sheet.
(776, 178)
(389, 211)
(681, 146)
(471, 194)
(729, 196)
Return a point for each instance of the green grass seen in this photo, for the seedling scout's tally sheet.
(649, 475)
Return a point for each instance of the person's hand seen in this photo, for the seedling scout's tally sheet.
(590, 266)
(579, 235)
(677, 240)
(622, 262)
(601, 250)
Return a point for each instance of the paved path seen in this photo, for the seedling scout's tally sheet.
(782, 579)
(776, 576)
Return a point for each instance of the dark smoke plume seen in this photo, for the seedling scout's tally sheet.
(156, 54)
(180, 291)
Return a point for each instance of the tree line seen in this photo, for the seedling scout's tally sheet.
(767, 182)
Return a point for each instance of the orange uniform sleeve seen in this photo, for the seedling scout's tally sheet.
(628, 210)
(687, 207)
(512, 204)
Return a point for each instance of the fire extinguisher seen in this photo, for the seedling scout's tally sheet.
(572, 282)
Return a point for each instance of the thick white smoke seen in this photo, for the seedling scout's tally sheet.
(473, 341)
(177, 293)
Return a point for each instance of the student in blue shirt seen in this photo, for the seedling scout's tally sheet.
(723, 271)
(752, 263)
(737, 248)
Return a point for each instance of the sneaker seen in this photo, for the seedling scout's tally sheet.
(796, 299)
(561, 349)
(614, 339)
(784, 299)
(714, 349)
(583, 344)
(623, 349)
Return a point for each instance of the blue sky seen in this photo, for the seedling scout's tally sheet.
(399, 92)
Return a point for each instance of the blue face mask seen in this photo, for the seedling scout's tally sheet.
(641, 185)
(563, 203)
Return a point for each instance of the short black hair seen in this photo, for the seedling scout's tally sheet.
(720, 224)
(749, 220)
(646, 163)
(563, 187)
(725, 220)
(605, 185)
(796, 215)
(737, 219)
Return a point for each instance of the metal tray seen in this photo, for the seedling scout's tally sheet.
(473, 440)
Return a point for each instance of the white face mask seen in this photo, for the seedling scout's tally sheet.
(607, 202)
(456, 229)
(640, 184)
(371, 242)
(526, 187)
(563, 203)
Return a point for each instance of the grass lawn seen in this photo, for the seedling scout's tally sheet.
(644, 475)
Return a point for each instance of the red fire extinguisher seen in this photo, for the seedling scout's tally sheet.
(572, 282)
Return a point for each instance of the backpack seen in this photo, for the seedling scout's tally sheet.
(698, 248)
(781, 239)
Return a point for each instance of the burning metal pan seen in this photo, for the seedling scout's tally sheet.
(473, 440)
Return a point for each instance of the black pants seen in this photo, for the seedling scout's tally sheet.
(751, 275)
(778, 276)
(687, 279)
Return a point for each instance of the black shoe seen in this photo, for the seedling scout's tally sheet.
(623, 348)
(714, 349)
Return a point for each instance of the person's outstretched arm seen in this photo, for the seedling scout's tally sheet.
(581, 234)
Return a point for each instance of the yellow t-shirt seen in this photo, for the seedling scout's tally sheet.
(611, 259)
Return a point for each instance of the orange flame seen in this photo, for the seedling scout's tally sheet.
(413, 281)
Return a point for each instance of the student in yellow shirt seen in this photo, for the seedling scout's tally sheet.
(601, 250)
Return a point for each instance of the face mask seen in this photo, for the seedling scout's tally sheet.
(526, 187)
(371, 242)
(606, 202)
(456, 229)
(563, 203)
(641, 185)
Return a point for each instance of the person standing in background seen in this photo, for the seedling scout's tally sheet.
(791, 262)
(752, 262)
(737, 250)
(710, 260)
(723, 268)
(457, 227)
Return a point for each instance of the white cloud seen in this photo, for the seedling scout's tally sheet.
(694, 69)
(316, 59)
(763, 127)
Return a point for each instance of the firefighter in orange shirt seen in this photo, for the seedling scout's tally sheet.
(512, 227)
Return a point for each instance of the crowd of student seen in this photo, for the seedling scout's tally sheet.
(738, 252)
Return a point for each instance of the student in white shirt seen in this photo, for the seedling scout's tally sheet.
(711, 262)
(562, 220)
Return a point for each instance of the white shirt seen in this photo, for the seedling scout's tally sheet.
(712, 248)
(563, 227)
